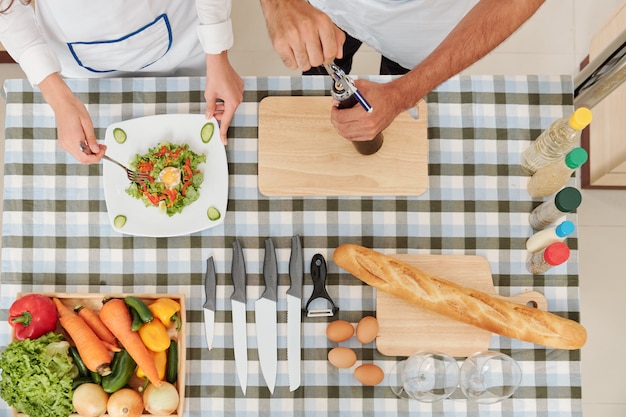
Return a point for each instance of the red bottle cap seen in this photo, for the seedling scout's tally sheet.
(556, 253)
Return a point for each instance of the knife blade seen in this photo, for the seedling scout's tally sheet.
(265, 318)
(238, 307)
(294, 312)
(210, 282)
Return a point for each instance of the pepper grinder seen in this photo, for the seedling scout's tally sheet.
(345, 92)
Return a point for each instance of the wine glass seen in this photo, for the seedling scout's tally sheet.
(489, 377)
(425, 376)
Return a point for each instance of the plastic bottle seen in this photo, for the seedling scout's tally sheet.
(553, 255)
(546, 237)
(552, 177)
(555, 141)
(566, 200)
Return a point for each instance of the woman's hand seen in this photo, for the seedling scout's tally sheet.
(73, 121)
(222, 82)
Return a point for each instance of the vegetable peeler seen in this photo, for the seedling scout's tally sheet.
(318, 274)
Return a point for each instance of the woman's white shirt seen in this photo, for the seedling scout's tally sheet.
(104, 38)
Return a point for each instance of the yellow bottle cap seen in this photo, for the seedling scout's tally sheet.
(580, 118)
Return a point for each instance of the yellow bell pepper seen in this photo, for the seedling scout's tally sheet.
(160, 360)
(166, 310)
(154, 336)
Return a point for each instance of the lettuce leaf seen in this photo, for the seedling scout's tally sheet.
(36, 376)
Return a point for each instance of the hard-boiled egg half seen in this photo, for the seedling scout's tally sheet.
(170, 177)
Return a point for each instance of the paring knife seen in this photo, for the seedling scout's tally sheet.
(265, 318)
(210, 281)
(294, 312)
(238, 307)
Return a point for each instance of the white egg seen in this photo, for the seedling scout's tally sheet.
(170, 177)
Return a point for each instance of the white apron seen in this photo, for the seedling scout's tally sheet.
(112, 38)
(405, 31)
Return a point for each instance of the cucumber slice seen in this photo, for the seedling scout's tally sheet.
(206, 133)
(119, 135)
(119, 221)
(213, 213)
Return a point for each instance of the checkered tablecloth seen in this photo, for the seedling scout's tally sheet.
(56, 237)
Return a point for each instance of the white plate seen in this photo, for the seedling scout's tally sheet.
(144, 133)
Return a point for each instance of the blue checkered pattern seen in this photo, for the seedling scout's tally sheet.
(56, 237)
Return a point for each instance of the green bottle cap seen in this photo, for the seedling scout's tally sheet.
(568, 199)
(580, 118)
(556, 253)
(576, 157)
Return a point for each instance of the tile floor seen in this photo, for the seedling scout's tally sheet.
(554, 41)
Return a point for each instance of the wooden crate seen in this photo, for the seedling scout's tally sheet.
(94, 301)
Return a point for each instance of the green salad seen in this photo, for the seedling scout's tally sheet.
(174, 177)
(37, 376)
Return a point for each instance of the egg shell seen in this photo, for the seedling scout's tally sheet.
(369, 374)
(342, 357)
(367, 329)
(339, 331)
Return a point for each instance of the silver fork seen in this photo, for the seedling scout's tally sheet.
(132, 175)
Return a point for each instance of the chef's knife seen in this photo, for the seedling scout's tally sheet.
(209, 304)
(238, 307)
(265, 318)
(294, 312)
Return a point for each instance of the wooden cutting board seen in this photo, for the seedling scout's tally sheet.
(406, 328)
(301, 154)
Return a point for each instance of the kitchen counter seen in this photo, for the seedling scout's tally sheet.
(56, 237)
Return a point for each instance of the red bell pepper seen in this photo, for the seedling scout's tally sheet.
(162, 151)
(187, 173)
(185, 185)
(32, 316)
(145, 166)
(174, 154)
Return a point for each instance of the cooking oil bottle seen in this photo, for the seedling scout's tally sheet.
(549, 179)
(565, 201)
(555, 141)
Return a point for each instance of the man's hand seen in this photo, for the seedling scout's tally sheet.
(356, 124)
(223, 83)
(73, 121)
(303, 36)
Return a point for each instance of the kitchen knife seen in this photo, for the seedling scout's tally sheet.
(209, 305)
(238, 307)
(294, 312)
(265, 318)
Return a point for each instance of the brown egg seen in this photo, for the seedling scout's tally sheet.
(339, 331)
(369, 374)
(367, 329)
(342, 357)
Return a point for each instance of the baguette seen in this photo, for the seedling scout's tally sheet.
(459, 303)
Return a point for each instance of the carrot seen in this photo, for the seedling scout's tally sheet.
(93, 320)
(115, 315)
(95, 355)
(110, 347)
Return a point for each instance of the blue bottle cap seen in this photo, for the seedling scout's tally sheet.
(565, 229)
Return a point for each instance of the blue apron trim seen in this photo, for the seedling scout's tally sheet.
(163, 17)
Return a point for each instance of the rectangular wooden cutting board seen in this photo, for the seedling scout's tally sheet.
(301, 154)
(406, 329)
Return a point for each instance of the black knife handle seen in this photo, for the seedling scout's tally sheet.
(210, 284)
(270, 272)
(238, 273)
(296, 268)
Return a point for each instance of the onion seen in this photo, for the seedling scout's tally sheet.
(125, 402)
(90, 400)
(161, 400)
